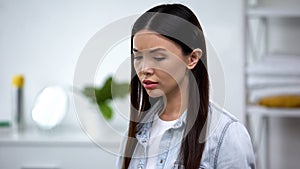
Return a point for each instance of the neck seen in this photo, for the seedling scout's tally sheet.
(176, 102)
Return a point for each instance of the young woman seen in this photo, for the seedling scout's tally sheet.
(172, 123)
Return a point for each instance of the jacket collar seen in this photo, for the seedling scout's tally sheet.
(143, 128)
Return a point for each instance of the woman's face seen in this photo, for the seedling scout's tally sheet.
(159, 64)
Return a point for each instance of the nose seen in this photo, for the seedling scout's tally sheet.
(147, 69)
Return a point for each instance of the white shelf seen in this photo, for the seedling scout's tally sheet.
(274, 12)
(65, 136)
(273, 112)
(276, 65)
(271, 74)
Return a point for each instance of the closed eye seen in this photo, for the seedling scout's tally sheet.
(159, 59)
(138, 57)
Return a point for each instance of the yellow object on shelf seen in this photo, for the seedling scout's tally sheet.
(281, 101)
(18, 81)
(17, 119)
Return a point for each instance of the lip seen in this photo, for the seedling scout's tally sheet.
(148, 84)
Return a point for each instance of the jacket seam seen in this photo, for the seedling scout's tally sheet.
(220, 142)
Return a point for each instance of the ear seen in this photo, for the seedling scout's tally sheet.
(193, 58)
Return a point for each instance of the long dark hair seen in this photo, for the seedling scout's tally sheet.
(180, 25)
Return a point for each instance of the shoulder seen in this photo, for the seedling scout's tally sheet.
(228, 140)
(235, 148)
(218, 121)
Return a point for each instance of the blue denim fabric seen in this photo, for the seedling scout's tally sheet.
(228, 144)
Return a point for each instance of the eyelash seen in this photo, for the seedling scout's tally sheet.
(159, 59)
(140, 57)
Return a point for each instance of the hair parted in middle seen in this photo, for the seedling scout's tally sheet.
(179, 24)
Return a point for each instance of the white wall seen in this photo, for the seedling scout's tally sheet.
(43, 40)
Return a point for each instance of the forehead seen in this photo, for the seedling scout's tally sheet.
(147, 40)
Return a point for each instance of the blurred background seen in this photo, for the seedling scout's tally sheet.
(253, 54)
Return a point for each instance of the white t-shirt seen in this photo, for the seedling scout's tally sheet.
(159, 127)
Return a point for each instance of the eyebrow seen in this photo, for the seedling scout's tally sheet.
(151, 51)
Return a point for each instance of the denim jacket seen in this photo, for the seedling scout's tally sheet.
(228, 144)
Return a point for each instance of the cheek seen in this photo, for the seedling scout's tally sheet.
(175, 70)
(137, 68)
(173, 79)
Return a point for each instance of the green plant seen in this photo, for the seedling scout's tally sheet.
(102, 96)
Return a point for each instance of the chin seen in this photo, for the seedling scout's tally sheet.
(155, 93)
